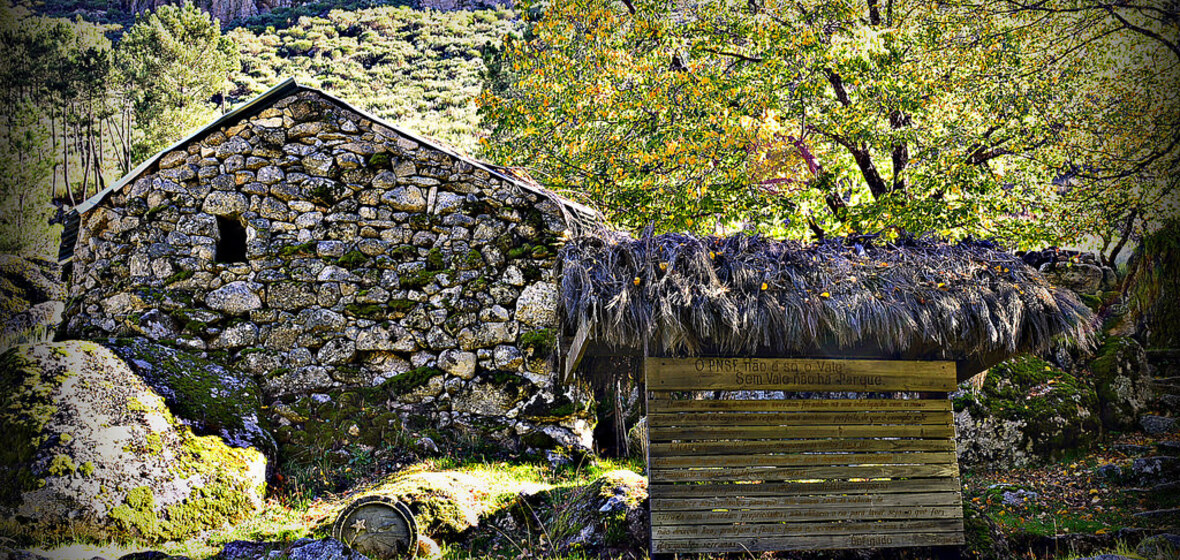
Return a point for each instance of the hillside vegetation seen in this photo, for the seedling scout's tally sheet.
(417, 68)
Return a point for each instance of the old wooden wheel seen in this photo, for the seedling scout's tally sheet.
(378, 527)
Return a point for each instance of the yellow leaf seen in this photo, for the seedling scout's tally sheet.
(825, 294)
(636, 281)
(663, 266)
(764, 286)
(712, 255)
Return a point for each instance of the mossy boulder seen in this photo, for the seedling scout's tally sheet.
(206, 396)
(89, 450)
(1153, 287)
(1122, 378)
(1025, 411)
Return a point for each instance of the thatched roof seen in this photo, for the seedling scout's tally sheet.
(748, 295)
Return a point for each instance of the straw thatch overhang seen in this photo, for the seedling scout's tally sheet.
(678, 295)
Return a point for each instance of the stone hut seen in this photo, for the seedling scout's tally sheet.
(319, 248)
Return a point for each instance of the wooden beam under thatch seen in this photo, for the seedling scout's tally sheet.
(747, 295)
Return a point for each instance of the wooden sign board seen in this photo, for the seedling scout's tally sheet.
(790, 473)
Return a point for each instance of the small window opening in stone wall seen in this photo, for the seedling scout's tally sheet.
(232, 247)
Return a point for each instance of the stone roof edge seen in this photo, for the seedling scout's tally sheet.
(583, 215)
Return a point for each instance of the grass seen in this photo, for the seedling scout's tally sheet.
(290, 514)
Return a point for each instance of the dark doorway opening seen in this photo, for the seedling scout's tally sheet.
(232, 246)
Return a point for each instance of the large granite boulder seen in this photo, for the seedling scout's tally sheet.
(1025, 411)
(89, 450)
(208, 397)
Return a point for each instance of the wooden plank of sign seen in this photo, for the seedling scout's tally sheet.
(577, 349)
(806, 502)
(795, 473)
(702, 518)
(798, 418)
(795, 374)
(658, 449)
(822, 542)
(801, 459)
(800, 529)
(796, 405)
(912, 485)
(784, 432)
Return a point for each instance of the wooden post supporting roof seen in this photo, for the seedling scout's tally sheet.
(763, 474)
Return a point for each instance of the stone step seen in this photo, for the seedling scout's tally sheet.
(1157, 425)
(1165, 361)
(1165, 388)
(1163, 354)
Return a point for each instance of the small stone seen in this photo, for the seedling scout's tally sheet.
(349, 161)
(406, 199)
(330, 249)
(508, 357)
(537, 305)
(172, 159)
(237, 336)
(235, 298)
(458, 363)
(318, 164)
(270, 175)
(447, 202)
(337, 351)
(308, 220)
(223, 203)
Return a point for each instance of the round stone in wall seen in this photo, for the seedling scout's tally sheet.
(537, 305)
(235, 298)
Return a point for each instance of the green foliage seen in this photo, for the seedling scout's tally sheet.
(178, 276)
(175, 61)
(539, 342)
(795, 119)
(434, 259)
(419, 68)
(417, 279)
(1154, 286)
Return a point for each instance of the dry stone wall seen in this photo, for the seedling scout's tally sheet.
(365, 260)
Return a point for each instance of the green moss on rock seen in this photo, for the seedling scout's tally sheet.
(352, 259)
(26, 407)
(405, 382)
(541, 342)
(1053, 407)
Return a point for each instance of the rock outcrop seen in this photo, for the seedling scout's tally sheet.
(1123, 379)
(223, 10)
(90, 451)
(32, 297)
(1025, 411)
